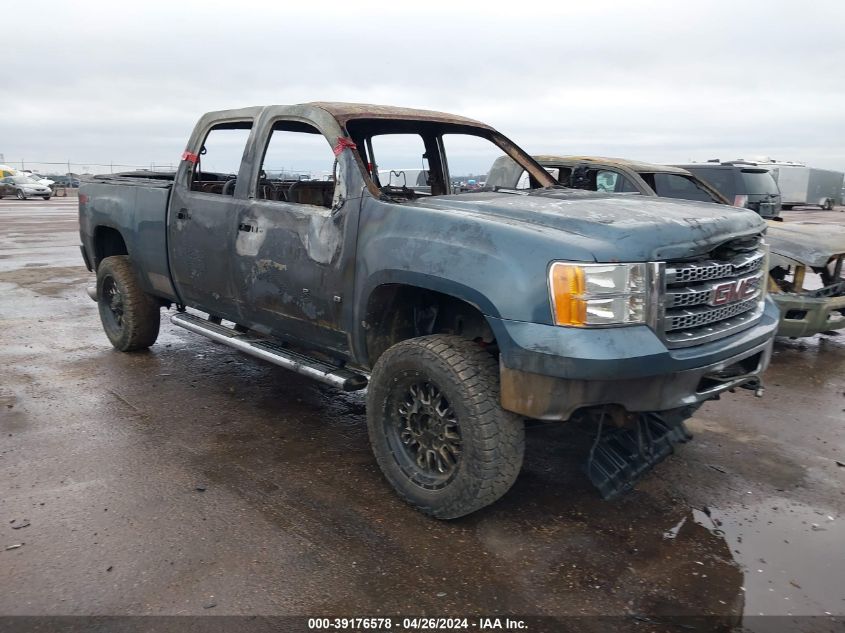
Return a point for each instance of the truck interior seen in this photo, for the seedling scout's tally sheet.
(402, 160)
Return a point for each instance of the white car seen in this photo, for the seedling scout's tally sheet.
(23, 187)
(38, 178)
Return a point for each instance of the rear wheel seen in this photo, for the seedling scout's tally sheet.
(20, 194)
(438, 432)
(130, 316)
(828, 205)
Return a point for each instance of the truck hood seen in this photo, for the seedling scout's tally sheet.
(810, 243)
(617, 227)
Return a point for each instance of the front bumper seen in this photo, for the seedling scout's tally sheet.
(806, 316)
(548, 372)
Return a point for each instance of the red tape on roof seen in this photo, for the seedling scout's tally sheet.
(190, 156)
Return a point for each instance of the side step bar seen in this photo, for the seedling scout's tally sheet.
(273, 352)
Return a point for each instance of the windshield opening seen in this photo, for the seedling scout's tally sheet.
(24, 180)
(409, 159)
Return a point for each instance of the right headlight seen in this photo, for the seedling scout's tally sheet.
(596, 295)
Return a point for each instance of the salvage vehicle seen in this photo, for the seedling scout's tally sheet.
(796, 248)
(806, 277)
(595, 173)
(462, 314)
(744, 184)
(23, 187)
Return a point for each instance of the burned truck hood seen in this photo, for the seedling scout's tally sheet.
(617, 227)
(810, 243)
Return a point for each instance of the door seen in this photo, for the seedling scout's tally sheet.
(202, 226)
(7, 187)
(292, 270)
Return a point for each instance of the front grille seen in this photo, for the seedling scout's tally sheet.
(704, 316)
(713, 297)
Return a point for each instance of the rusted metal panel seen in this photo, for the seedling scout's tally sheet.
(811, 244)
(344, 112)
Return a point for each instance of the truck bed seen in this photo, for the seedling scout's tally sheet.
(135, 205)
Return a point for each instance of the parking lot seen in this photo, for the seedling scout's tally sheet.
(193, 480)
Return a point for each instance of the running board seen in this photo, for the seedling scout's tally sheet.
(620, 457)
(273, 352)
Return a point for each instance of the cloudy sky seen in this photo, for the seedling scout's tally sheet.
(100, 82)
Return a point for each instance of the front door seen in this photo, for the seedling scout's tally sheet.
(203, 223)
(291, 270)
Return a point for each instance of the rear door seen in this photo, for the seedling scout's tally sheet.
(202, 227)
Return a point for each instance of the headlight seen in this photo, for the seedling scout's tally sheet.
(585, 295)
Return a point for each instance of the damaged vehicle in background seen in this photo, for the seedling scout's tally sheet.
(461, 313)
(609, 175)
(806, 280)
(808, 305)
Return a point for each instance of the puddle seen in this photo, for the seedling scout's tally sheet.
(792, 555)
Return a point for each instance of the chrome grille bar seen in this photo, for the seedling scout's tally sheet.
(708, 299)
(700, 294)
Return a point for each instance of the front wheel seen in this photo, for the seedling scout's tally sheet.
(47, 197)
(438, 432)
(20, 194)
(130, 316)
(828, 205)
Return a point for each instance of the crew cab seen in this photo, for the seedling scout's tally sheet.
(461, 313)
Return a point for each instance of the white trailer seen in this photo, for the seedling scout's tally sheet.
(802, 185)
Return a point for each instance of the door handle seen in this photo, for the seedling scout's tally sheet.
(183, 214)
(246, 228)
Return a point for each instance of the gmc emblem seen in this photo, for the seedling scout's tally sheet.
(732, 291)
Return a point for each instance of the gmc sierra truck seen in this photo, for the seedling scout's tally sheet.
(463, 313)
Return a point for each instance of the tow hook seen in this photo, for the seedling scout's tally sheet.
(756, 386)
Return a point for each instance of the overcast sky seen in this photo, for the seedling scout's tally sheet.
(99, 82)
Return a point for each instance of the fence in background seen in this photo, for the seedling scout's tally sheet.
(78, 169)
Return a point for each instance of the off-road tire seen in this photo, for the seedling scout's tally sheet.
(20, 195)
(140, 319)
(492, 439)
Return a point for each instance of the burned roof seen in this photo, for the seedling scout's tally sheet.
(344, 112)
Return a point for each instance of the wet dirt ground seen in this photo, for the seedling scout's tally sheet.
(192, 480)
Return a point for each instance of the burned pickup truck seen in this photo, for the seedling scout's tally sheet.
(462, 313)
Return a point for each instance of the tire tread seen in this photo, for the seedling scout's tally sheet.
(142, 317)
(501, 433)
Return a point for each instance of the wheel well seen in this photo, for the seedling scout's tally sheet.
(396, 312)
(107, 242)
